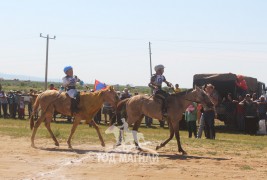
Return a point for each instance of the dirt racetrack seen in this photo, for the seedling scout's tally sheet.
(20, 161)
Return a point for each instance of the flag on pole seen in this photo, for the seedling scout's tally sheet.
(99, 85)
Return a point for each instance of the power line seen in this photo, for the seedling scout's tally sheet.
(171, 41)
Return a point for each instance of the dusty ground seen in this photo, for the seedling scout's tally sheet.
(20, 161)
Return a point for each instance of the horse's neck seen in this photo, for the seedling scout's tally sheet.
(188, 99)
(96, 100)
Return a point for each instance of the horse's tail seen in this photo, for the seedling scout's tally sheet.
(121, 105)
(35, 110)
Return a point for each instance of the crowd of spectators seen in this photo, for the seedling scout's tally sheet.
(13, 103)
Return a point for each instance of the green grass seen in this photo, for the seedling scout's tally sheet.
(231, 144)
(246, 167)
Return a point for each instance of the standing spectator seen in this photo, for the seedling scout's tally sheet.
(230, 109)
(107, 111)
(16, 103)
(240, 114)
(201, 121)
(254, 97)
(241, 85)
(191, 118)
(209, 113)
(12, 105)
(52, 87)
(262, 107)
(125, 94)
(2, 94)
(250, 115)
(4, 106)
(97, 117)
(27, 101)
(21, 108)
(177, 89)
(118, 114)
(148, 121)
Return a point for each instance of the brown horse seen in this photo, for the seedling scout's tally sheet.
(90, 103)
(140, 105)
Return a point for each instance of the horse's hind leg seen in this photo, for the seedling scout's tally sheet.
(47, 125)
(167, 140)
(135, 129)
(37, 124)
(98, 133)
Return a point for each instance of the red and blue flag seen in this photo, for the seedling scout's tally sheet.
(99, 85)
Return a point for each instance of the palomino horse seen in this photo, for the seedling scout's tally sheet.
(90, 103)
(140, 105)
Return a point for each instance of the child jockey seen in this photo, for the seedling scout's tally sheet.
(156, 84)
(69, 83)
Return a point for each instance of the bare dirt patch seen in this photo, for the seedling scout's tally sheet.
(20, 161)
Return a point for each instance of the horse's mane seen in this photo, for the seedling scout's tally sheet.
(93, 96)
(182, 93)
(95, 93)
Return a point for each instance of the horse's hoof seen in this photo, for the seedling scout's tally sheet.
(158, 147)
(183, 152)
(118, 144)
(33, 146)
(138, 148)
(70, 147)
(103, 144)
(56, 144)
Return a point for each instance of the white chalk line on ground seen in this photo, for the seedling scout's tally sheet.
(88, 156)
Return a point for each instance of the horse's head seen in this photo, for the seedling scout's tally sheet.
(111, 96)
(202, 97)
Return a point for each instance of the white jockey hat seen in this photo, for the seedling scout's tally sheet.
(158, 67)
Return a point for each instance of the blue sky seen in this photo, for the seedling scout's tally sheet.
(108, 40)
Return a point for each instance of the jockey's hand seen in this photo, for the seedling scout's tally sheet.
(81, 83)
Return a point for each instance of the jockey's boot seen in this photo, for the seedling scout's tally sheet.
(164, 110)
(74, 106)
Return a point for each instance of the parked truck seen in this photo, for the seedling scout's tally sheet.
(226, 83)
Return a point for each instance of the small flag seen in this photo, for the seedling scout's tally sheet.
(99, 85)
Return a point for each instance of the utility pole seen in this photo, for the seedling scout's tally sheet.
(150, 63)
(150, 58)
(46, 62)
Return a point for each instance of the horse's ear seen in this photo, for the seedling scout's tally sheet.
(111, 88)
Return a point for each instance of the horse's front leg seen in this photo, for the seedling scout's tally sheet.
(177, 135)
(74, 126)
(167, 140)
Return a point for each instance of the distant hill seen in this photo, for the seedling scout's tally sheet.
(23, 77)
